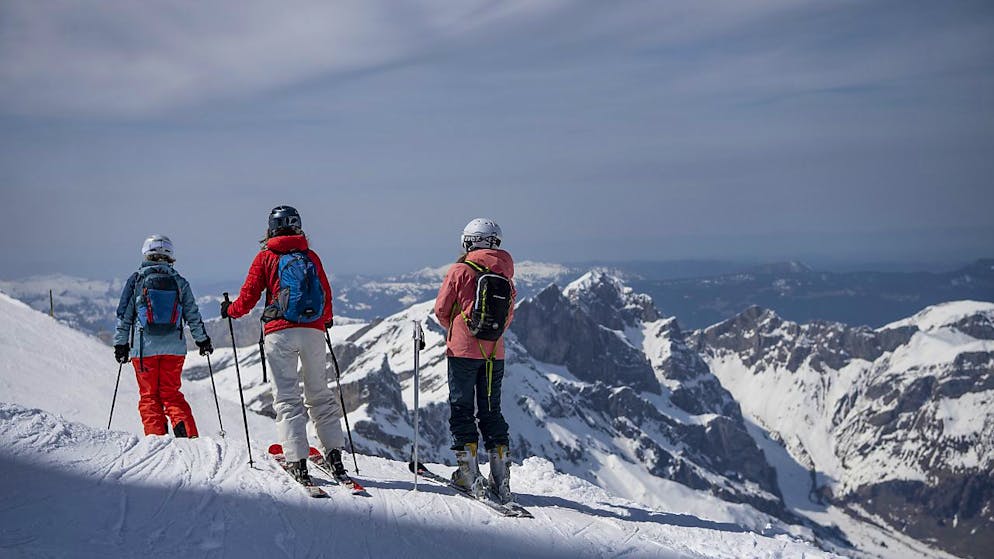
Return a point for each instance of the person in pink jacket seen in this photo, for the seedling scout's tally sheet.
(475, 305)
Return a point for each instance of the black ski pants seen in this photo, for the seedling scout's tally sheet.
(469, 385)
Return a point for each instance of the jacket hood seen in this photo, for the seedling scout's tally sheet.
(148, 266)
(495, 259)
(287, 243)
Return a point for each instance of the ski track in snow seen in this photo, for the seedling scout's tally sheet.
(176, 497)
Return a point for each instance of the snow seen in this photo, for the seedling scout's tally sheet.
(960, 415)
(73, 488)
(944, 314)
(589, 280)
(935, 346)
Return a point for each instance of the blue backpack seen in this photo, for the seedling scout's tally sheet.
(301, 295)
(159, 306)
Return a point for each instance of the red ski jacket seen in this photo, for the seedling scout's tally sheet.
(264, 274)
(457, 294)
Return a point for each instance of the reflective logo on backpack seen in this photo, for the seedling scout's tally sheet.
(158, 305)
(491, 305)
(301, 295)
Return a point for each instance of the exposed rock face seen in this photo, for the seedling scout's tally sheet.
(380, 390)
(612, 328)
(758, 335)
(554, 330)
(693, 388)
(977, 326)
(899, 420)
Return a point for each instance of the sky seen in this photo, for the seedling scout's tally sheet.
(763, 130)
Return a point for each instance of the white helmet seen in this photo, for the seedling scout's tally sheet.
(481, 233)
(158, 246)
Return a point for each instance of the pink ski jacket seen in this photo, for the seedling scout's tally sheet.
(457, 293)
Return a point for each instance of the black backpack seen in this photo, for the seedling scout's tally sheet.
(491, 305)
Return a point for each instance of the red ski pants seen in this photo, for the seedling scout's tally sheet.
(159, 395)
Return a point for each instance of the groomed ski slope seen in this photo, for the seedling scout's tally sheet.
(71, 488)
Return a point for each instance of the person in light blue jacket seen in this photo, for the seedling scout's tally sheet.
(155, 303)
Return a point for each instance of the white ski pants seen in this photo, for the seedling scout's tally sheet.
(321, 403)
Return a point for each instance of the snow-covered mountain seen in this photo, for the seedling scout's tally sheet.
(84, 304)
(73, 488)
(896, 424)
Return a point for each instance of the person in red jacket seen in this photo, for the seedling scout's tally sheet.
(287, 341)
(475, 354)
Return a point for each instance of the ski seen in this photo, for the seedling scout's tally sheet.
(505, 509)
(316, 458)
(276, 451)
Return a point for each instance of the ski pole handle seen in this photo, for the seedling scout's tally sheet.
(225, 295)
(419, 336)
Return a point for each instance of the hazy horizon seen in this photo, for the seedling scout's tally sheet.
(682, 267)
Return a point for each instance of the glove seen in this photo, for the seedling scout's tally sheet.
(329, 324)
(122, 353)
(206, 348)
(224, 308)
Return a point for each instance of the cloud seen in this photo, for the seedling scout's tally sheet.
(113, 58)
(580, 121)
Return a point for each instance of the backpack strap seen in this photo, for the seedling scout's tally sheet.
(480, 269)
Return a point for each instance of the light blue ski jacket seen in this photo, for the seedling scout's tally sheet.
(144, 343)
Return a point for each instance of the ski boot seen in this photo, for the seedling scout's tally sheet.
(500, 473)
(179, 431)
(467, 475)
(334, 460)
(298, 471)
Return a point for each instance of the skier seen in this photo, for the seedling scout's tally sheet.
(160, 300)
(475, 304)
(297, 314)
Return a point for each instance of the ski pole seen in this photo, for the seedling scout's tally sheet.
(262, 349)
(419, 344)
(238, 373)
(214, 388)
(341, 399)
(113, 400)
(118, 383)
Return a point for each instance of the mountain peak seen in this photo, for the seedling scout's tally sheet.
(607, 299)
(592, 280)
(753, 316)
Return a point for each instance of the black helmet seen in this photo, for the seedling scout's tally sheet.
(284, 220)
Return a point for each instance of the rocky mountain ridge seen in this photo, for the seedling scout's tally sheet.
(895, 423)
